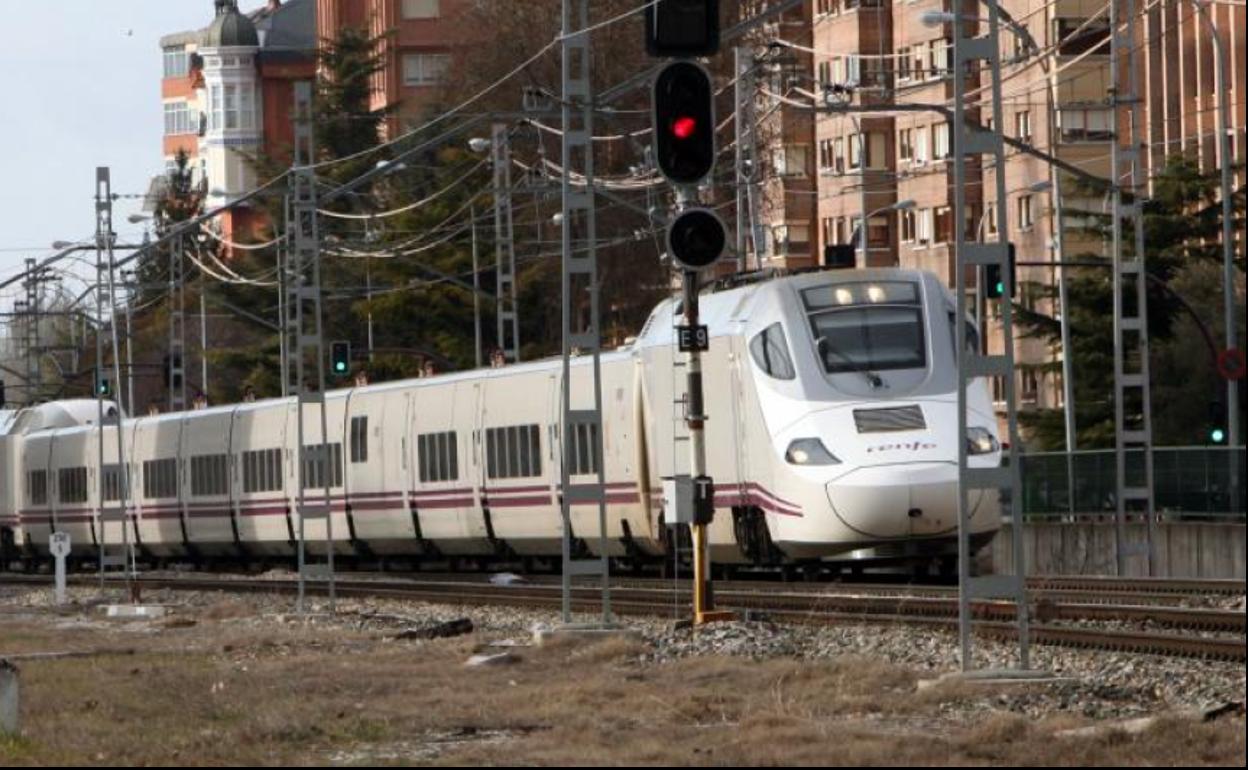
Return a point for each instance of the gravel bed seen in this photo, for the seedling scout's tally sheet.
(1099, 684)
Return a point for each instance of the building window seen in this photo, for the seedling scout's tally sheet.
(877, 150)
(231, 108)
(943, 224)
(1085, 125)
(178, 119)
(855, 150)
(878, 231)
(905, 144)
(1031, 386)
(825, 72)
(923, 227)
(421, 9)
(1022, 125)
(437, 456)
(939, 54)
(990, 219)
(791, 160)
(1025, 216)
(908, 225)
(838, 155)
(940, 141)
(1093, 35)
(177, 62)
(920, 146)
(903, 63)
(214, 108)
(791, 238)
(513, 452)
(424, 69)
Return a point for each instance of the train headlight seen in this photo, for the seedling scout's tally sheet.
(809, 451)
(980, 442)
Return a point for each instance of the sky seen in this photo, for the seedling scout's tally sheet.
(80, 81)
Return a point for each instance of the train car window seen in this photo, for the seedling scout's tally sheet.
(160, 478)
(583, 452)
(37, 487)
(972, 334)
(210, 475)
(71, 485)
(513, 452)
(359, 439)
(322, 465)
(867, 326)
(438, 460)
(113, 479)
(444, 461)
(262, 470)
(770, 351)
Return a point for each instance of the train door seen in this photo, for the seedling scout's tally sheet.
(519, 481)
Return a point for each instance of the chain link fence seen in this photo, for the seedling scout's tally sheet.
(1188, 482)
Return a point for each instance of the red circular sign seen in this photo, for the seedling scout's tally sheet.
(1231, 364)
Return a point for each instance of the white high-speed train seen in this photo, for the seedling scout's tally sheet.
(831, 402)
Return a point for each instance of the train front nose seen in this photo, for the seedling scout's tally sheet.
(898, 500)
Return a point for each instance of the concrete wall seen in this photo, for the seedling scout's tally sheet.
(1184, 550)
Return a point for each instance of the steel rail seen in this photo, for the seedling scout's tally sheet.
(991, 617)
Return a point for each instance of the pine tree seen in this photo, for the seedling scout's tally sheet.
(1182, 224)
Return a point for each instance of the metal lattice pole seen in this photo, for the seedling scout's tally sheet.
(504, 245)
(318, 465)
(30, 332)
(1131, 366)
(105, 286)
(580, 279)
(984, 53)
(177, 327)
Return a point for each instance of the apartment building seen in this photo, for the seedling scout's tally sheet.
(228, 88)
(891, 163)
(416, 37)
(228, 92)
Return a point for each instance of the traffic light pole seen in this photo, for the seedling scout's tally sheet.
(703, 487)
(983, 53)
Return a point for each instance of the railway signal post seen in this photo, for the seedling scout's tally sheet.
(982, 55)
(683, 112)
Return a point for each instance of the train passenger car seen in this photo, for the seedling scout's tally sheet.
(831, 400)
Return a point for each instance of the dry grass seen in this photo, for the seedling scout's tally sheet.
(231, 692)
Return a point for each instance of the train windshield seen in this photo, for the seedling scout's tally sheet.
(867, 326)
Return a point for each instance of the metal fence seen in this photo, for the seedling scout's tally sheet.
(1189, 482)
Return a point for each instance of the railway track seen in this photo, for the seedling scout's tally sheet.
(1055, 620)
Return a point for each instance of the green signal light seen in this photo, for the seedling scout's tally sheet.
(341, 366)
(1218, 435)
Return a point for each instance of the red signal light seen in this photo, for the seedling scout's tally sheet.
(684, 127)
